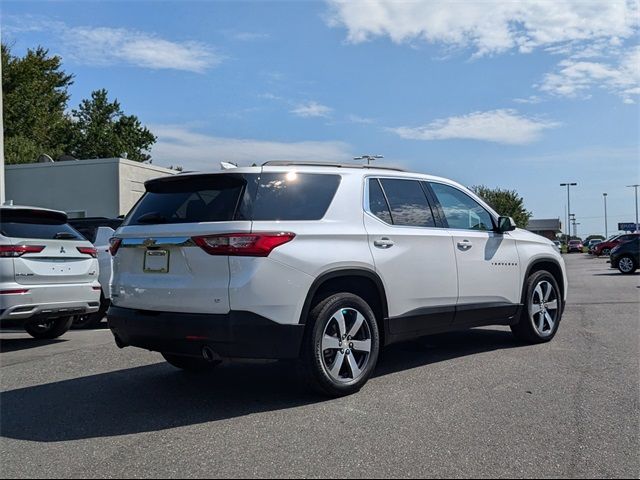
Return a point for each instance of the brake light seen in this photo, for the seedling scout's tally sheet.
(114, 245)
(259, 244)
(88, 251)
(14, 292)
(19, 250)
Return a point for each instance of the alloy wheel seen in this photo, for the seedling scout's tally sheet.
(625, 264)
(543, 308)
(346, 345)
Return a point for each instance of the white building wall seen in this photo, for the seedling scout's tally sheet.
(91, 188)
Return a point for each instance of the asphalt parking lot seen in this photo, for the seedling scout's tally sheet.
(471, 404)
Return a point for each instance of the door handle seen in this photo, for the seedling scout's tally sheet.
(465, 245)
(384, 243)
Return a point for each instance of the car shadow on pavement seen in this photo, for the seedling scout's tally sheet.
(158, 397)
(14, 344)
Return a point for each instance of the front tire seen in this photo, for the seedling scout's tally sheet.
(341, 345)
(542, 310)
(50, 329)
(189, 364)
(627, 265)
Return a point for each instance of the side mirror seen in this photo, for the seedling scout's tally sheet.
(506, 224)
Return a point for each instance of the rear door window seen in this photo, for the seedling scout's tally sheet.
(377, 202)
(36, 224)
(408, 203)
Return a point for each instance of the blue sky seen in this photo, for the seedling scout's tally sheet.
(520, 95)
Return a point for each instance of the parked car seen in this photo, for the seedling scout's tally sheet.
(575, 246)
(605, 248)
(98, 231)
(558, 245)
(626, 256)
(591, 244)
(48, 271)
(323, 263)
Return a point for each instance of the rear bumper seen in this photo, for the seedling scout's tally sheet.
(237, 334)
(47, 301)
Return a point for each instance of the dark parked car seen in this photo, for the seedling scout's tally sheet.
(88, 226)
(626, 256)
(574, 246)
(605, 248)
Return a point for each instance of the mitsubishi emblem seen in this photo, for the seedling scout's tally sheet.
(62, 250)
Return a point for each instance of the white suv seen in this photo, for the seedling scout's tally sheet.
(48, 271)
(325, 263)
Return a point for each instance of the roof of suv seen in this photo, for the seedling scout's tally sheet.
(33, 209)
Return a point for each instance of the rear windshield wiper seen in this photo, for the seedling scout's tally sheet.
(65, 236)
(152, 217)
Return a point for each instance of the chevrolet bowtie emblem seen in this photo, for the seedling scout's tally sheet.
(149, 242)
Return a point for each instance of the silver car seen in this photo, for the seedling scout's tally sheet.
(48, 271)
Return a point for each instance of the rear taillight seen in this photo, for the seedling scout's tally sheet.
(114, 245)
(88, 251)
(19, 250)
(20, 291)
(258, 244)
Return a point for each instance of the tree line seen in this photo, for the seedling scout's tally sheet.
(37, 119)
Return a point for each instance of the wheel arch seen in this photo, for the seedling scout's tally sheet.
(360, 281)
(553, 267)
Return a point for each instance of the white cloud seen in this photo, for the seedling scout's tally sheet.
(575, 77)
(530, 100)
(106, 46)
(311, 109)
(492, 26)
(181, 146)
(358, 119)
(500, 126)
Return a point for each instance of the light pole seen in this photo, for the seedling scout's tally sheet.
(636, 188)
(606, 231)
(368, 158)
(568, 185)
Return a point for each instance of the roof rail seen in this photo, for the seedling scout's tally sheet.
(284, 163)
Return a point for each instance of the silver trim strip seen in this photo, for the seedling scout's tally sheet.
(152, 242)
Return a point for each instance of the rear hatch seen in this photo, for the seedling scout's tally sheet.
(158, 264)
(45, 249)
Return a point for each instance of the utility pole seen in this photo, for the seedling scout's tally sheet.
(636, 188)
(568, 185)
(572, 220)
(606, 231)
(2, 189)
(368, 158)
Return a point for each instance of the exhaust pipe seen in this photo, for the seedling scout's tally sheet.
(209, 355)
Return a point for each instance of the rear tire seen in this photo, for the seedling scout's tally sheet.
(627, 265)
(189, 364)
(542, 309)
(341, 345)
(48, 330)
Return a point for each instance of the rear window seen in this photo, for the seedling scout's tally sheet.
(36, 224)
(227, 197)
(211, 198)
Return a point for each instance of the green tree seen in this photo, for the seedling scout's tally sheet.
(34, 95)
(506, 202)
(100, 129)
